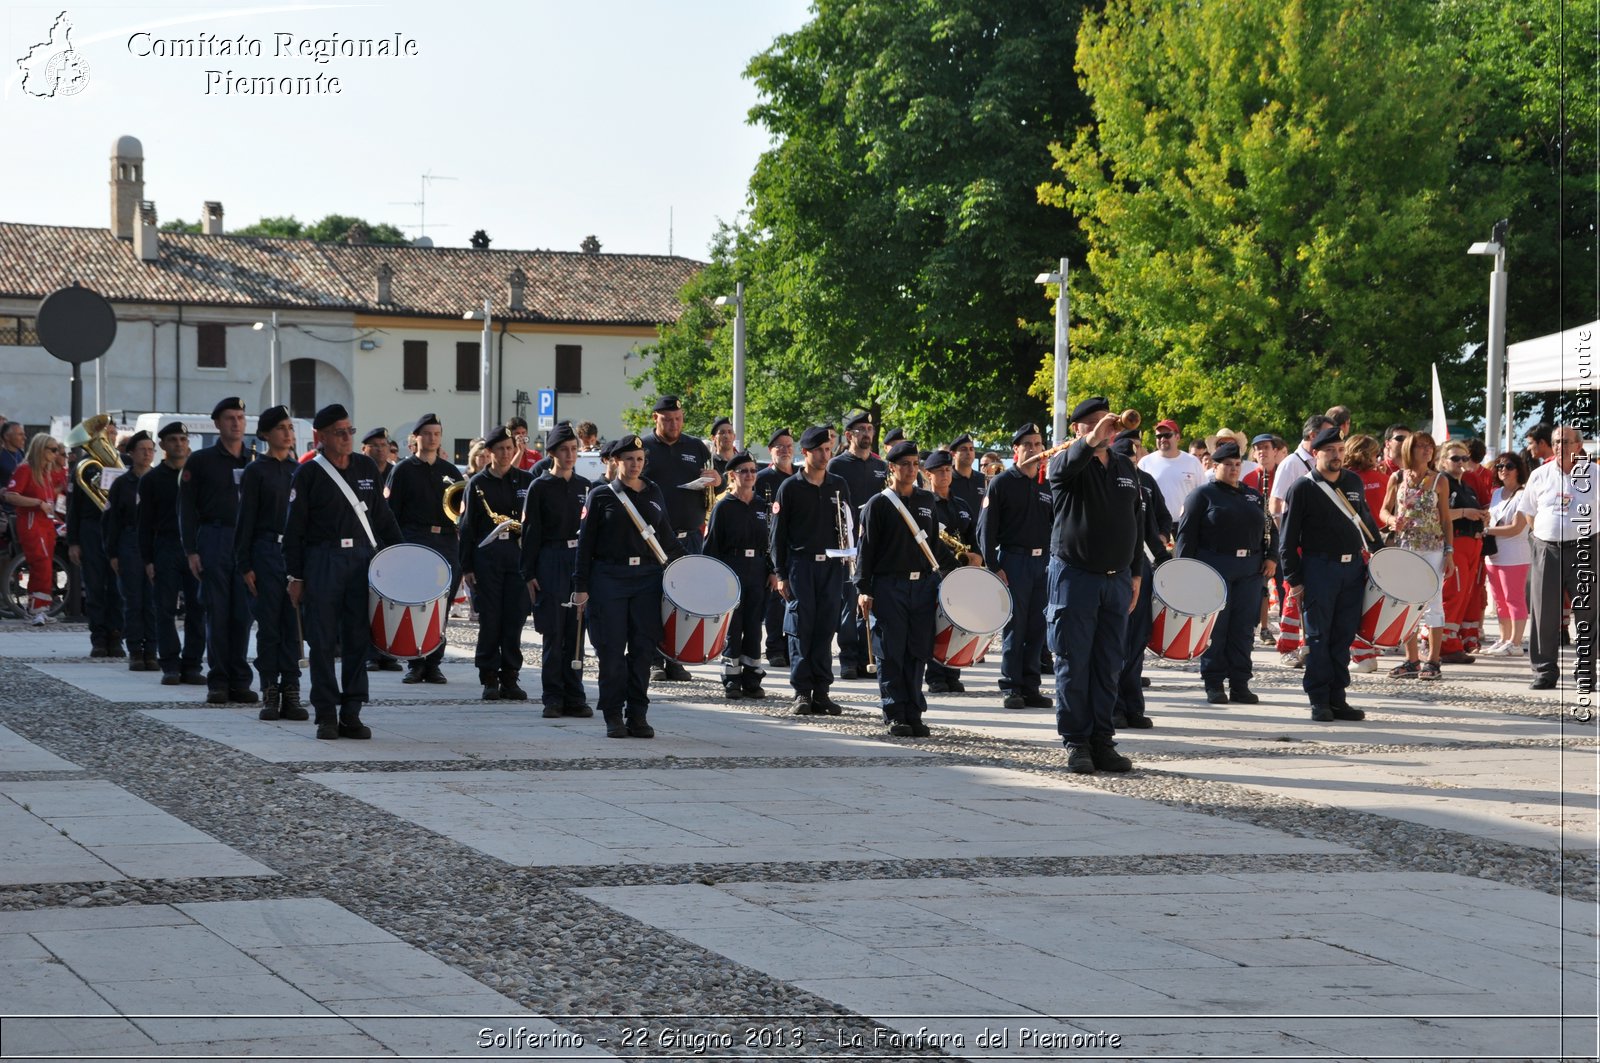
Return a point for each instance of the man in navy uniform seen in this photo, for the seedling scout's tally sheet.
(966, 483)
(208, 507)
(338, 519)
(375, 445)
(1157, 529)
(120, 529)
(1094, 581)
(781, 446)
(168, 569)
(550, 523)
(258, 555)
(739, 536)
(1326, 531)
(864, 474)
(672, 460)
(416, 498)
(1014, 537)
(897, 574)
(491, 564)
(959, 520)
(805, 525)
(88, 549)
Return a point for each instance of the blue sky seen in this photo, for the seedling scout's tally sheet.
(556, 120)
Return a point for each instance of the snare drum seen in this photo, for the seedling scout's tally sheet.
(1400, 584)
(973, 605)
(1188, 595)
(408, 587)
(698, 597)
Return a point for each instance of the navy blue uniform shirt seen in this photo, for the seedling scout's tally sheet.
(805, 518)
(208, 491)
(1098, 511)
(1317, 524)
(1016, 515)
(551, 518)
(667, 466)
(263, 504)
(416, 495)
(158, 509)
(740, 530)
(319, 512)
(507, 495)
(888, 547)
(609, 534)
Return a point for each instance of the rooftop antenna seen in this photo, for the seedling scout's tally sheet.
(422, 204)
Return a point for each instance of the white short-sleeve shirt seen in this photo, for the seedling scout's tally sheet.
(1290, 470)
(1562, 505)
(1176, 476)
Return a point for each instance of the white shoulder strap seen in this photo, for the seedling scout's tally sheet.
(917, 531)
(1349, 510)
(647, 533)
(349, 496)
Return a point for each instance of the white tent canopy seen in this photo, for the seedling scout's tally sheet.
(1561, 361)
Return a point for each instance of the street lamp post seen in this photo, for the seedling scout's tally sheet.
(272, 356)
(1058, 427)
(738, 360)
(483, 369)
(1496, 384)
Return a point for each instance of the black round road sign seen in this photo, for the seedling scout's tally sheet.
(76, 324)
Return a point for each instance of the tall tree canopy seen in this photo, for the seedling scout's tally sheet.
(332, 229)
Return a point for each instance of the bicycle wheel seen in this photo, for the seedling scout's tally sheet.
(17, 596)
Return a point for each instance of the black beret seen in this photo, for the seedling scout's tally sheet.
(329, 414)
(1225, 451)
(1024, 431)
(230, 403)
(172, 428)
(135, 439)
(606, 450)
(375, 434)
(814, 437)
(271, 418)
(498, 434)
(424, 421)
(859, 417)
(960, 441)
(561, 433)
(1123, 447)
(779, 434)
(741, 458)
(901, 451)
(626, 445)
(719, 422)
(1090, 405)
(665, 404)
(894, 436)
(1327, 436)
(1127, 433)
(937, 460)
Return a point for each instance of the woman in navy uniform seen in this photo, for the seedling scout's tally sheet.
(416, 497)
(1015, 537)
(491, 565)
(120, 526)
(618, 566)
(739, 535)
(897, 576)
(550, 524)
(1224, 524)
(258, 555)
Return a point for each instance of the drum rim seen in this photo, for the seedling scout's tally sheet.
(1422, 563)
(732, 576)
(373, 590)
(1155, 593)
(1011, 605)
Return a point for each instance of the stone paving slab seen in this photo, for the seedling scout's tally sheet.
(1232, 964)
(1535, 797)
(488, 731)
(89, 830)
(218, 978)
(19, 754)
(670, 816)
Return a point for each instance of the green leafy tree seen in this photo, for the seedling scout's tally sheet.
(1266, 195)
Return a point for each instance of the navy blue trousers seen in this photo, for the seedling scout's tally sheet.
(741, 657)
(277, 625)
(173, 576)
(102, 599)
(1024, 637)
(1088, 623)
(503, 607)
(777, 645)
(1227, 655)
(810, 620)
(561, 685)
(138, 597)
(1130, 685)
(852, 628)
(903, 614)
(1330, 613)
(227, 609)
(334, 607)
(625, 626)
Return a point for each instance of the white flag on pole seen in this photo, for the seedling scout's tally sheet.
(1441, 426)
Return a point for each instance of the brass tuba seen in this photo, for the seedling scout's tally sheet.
(452, 501)
(99, 455)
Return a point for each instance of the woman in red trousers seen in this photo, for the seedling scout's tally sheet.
(32, 493)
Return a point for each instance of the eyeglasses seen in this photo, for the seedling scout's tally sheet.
(341, 433)
(1459, 457)
(744, 472)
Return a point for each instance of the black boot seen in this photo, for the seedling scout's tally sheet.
(638, 728)
(327, 725)
(289, 706)
(114, 645)
(1215, 695)
(150, 662)
(509, 690)
(1104, 753)
(1240, 694)
(414, 672)
(350, 725)
(491, 685)
(269, 703)
(615, 728)
(97, 645)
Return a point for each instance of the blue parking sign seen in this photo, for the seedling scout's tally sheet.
(547, 409)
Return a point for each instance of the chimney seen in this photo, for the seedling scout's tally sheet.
(519, 281)
(211, 218)
(590, 245)
(146, 240)
(127, 186)
(385, 282)
(480, 241)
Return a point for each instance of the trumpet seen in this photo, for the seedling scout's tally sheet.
(1127, 420)
(90, 434)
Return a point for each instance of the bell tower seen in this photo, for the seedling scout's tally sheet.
(127, 186)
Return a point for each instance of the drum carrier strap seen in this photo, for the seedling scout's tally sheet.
(647, 533)
(916, 529)
(349, 496)
(1349, 510)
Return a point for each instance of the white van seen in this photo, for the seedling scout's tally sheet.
(203, 431)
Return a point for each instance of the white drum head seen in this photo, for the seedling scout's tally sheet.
(700, 585)
(1403, 575)
(1190, 587)
(975, 600)
(409, 574)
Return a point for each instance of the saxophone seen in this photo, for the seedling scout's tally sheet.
(957, 547)
(501, 522)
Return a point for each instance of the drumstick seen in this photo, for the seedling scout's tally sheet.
(872, 664)
(577, 662)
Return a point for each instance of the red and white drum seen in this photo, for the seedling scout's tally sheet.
(1188, 595)
(698, 597)
(973, 605)
(1400, 584)
(408, 587)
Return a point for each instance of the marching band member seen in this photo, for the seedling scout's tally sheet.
(121, 528)
(1094, 582)
(32, 492)
(550, 523)
(416, 498)
(166, 566)
(1325, 533)
(1224, 524)
(1014, 535)
(739, 536)
(623, 547)
(864, 474)
(966, 483)
(959, 519)
(88, 548)
(337, 519)
(491, 564)
(1157, 529)
(208, 508)
(723, 446)
(781, 446)
(897, 574)
(258, 555)
(672, 460)
(807, 520)
(375, 445)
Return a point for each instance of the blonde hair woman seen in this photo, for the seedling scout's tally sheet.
(1466, 540)
(32, 493)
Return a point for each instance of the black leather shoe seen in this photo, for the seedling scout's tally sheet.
(582, 712)
(657, 675)
(780, 661)
(617, 731)
(268, 711)
(1345, 712)
(432, 675)
(802, 706)
(902, 730)
(849, 673)
(171, 680)
(372, 666)
(1144, 682)
(827, 705)
(354, 730)
(1216, 696)
(957, 687)
(244, 696)
(1079, 760)
(1014, 701)
(921, 730)
(939, 688)
(327, 729)
(1240, 694)
(215, 696)
(1136, 723)
(1038, 701)
(1321, 713)
(640, 730)
(1106, 757)
(732, 693)
(754, 693)
(413, 675)
(509, 691)
(491, 692)
(551, 712)
(677, 673)
(1544, 682)
(195, 678)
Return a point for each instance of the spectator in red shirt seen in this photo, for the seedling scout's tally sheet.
(32, 491)
(1393, 438)
(527, 456)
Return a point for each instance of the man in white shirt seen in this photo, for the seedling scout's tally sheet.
(1296, 465)
(1559, 501)
(1175, 471)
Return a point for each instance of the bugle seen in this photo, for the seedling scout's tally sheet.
(1127, 420)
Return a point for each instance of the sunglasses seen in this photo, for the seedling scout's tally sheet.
(1459, 458)
(1163, 435)
(1503, 468)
